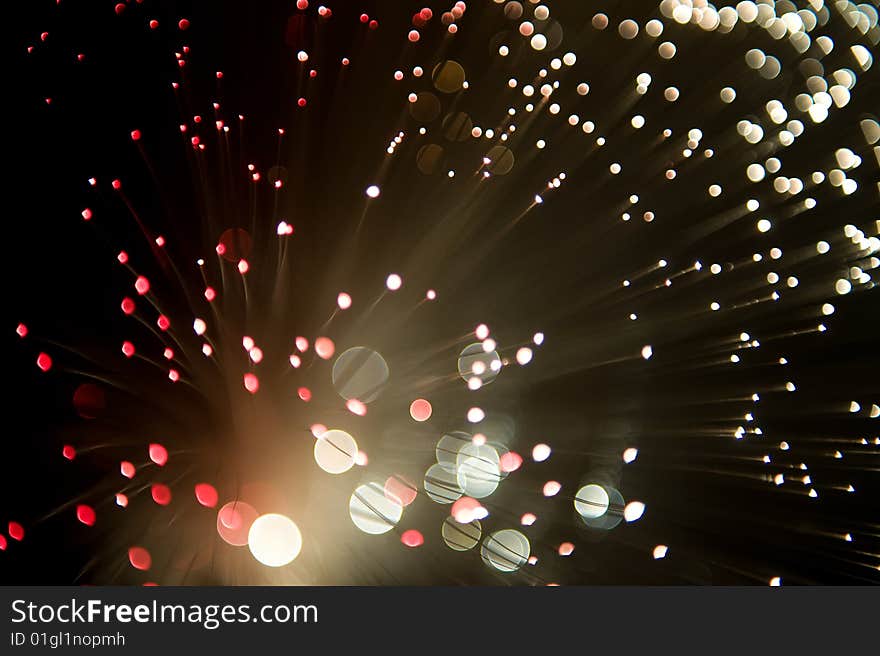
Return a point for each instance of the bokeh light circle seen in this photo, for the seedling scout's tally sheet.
(426, 107)
(448, 76)
(441, 483)
(612, 516)
(478, 470)
(591, 501)
(360, 373)
(335, 451)
(420, 410)
(234, 521)
(372, 511)
(450, 445)
(506, 550)
(274, 540)
(429, 159)
(461, 537)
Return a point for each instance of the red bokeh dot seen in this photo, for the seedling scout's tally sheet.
(161, 494)
(304, 393)
(413, 36)
(206, 494)
(251, 383)
(158, 454)
(86, 514)
(68, 452)
(142, 285)
(127, 305)
(510, 462)
(139, 558)
(127, 469)
(16, 531)
(163, 322)
(420, 410)
(44, 362)
(183, 24)
(128, 349)
(21, 330)
(412, 538)
(135, 135)
(324, 347)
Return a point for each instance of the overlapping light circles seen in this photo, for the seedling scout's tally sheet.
(475, 361)
(372, 511)
(506, 550)
(441, 483)
(466, 464)
(599, 506)
(479, 471)
(591, 501)
(335, 451)
(450, 445)
(234, 521)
